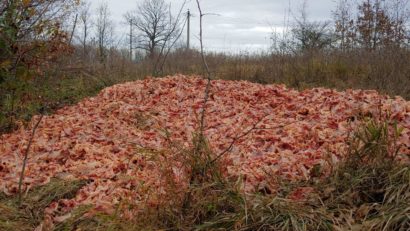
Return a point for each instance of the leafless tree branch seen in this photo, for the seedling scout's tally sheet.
(154, 21)
(247, 132)
(23, 169)
(168, 38)
(208, 72)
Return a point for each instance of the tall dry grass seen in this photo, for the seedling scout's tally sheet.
(80, 75)
(387, 71)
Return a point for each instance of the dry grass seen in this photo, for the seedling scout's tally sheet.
(384, 70)
(369, 190)
(30, 213)
(79, 76)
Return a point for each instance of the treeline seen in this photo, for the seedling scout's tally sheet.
(367, 24)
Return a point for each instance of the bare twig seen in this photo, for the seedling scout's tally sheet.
(73, 30)
(161, 68)
(198, 154)
(247, 132)
(206, 67)
(167, 39)
(26, 157)
(229, 148)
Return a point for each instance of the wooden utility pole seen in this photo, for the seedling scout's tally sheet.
(188, 29)
(131, 39)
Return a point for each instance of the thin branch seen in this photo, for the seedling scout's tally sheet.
(26, 157)
(73, 30)
(253, 128)
(201, 15)
(169, 49)
(168, 38)
(236, 139)
(206, 67)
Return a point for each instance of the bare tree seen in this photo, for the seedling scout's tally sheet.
(173, 35)
(156, 25)
(343, 20)
(86, 23)
(281, 42)
(310, 35)
(104, 30)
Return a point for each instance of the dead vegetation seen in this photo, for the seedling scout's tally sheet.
(30, 213)
(369, 190)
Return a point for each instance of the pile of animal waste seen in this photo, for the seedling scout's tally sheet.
(264, 131)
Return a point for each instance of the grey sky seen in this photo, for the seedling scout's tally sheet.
(233, 25)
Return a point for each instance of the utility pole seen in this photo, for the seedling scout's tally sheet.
(131, 39)
(188, 29)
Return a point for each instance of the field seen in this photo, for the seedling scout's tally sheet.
(131, 155)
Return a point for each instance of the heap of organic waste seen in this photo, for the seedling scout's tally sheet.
(105, 139)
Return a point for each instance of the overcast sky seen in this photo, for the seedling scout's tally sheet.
(233, 25)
